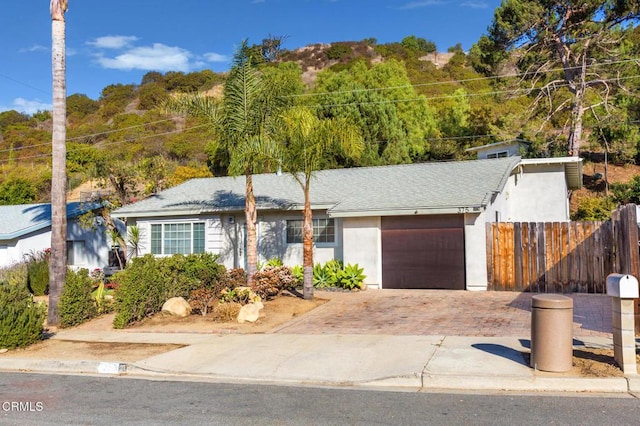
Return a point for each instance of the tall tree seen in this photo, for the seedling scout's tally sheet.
(243, 129)
(306, 141)
(58, 262)
(577, 36)
(395, 121)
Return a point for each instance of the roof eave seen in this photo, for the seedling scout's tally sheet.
(572, 168)
(407, 211)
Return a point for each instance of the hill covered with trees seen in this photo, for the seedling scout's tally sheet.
(410, 102)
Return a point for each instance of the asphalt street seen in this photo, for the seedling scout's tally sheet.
(42, 399)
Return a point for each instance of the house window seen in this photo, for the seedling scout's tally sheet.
(501, 154)
(177, 238)
(324, 231)
(75, 252)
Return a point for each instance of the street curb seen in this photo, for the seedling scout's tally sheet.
(416, 381)
(536, 384)
(36, 365)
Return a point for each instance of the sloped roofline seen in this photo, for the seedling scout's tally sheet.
(74, 209)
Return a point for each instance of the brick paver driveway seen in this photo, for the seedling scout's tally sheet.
(441, 312)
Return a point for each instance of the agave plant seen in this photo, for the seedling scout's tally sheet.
(352, 277)
(322, 277)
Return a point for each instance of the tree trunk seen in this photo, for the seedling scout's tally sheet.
(579, 89)
(251, 217)
(577, 113)
(307, 244)
(58, 261)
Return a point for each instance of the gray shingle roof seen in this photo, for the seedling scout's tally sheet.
(19, 220)
(427, 188)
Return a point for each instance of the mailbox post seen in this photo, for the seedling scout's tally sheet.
(623, 290)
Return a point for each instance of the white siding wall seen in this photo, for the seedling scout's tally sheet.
(225, 236)
(95, 253)
(363, 245)
(272, 240)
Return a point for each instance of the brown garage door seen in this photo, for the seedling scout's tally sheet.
(424, 252)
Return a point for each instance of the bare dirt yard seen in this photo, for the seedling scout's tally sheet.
(275, 313)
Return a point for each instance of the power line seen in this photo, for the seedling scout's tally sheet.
(106, 143)
(89, 136)
(25, 84)
(466, 80)
(461, 95)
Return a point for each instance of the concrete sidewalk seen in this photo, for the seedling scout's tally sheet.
(414, 363)
(388, 339)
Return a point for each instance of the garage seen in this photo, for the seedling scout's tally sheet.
(423, 252)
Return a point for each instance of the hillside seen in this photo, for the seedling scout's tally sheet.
(409, 102)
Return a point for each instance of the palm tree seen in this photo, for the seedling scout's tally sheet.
(241, 122)
(306, 142)
(58, 262)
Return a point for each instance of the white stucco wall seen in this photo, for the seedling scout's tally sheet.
(363, 245)
(534, 193)
(475, 251)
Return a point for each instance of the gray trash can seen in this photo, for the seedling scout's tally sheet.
(551, 332)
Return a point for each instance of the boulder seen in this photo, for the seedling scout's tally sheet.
(250, 312)
(177, 306)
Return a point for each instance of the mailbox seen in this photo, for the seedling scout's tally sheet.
(622, 286)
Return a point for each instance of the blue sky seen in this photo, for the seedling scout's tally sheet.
(118, 41)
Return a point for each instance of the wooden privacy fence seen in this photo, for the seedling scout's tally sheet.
(562, 257)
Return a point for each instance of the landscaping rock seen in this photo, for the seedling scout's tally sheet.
(177, 306)
(250, 312)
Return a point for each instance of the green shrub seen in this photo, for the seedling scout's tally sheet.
(594, 208)
(15, 274)
(76, 304)
(148, 282)
(338, 51)
(204, 268)
(38, 273)
(21, 320)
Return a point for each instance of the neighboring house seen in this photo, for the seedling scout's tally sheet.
(26, 229)
(409, 226)
(510, 148)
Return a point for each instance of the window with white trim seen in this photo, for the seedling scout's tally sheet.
(177, 238)
(324, 231)
(75, 252)
(501, 154)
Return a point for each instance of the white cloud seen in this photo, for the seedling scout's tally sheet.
(158, 57)
(475, 4)
(34, 48)
(215, 57)
(112, 42)
(419, 4)
(27, 106)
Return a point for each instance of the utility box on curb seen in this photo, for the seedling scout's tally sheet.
(551, 333)
(623, 290)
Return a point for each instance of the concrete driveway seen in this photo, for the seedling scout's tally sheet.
(441, 312)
